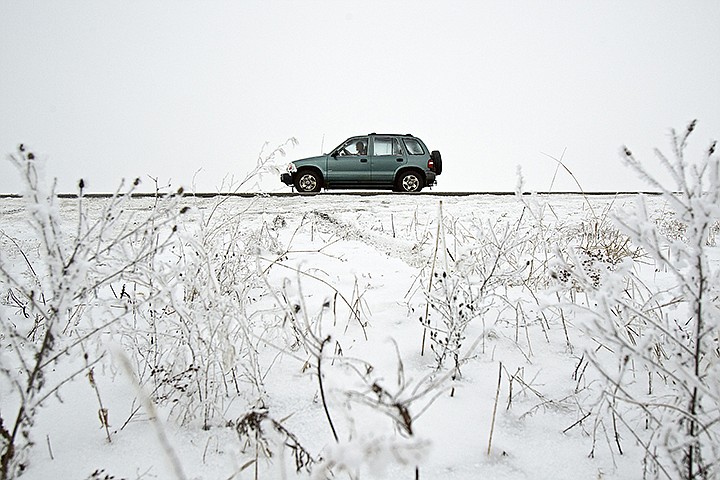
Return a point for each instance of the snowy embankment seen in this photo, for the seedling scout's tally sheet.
(386, 337)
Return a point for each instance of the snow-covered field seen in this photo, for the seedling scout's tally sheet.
(343, 337)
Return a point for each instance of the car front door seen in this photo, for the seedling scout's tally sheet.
(387, 157)
(348, 164)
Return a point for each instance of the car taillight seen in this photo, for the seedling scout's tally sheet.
(431, 164)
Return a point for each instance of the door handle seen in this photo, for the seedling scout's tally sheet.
(363, 160)
(400, 160)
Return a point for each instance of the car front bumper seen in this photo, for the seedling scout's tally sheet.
(287, 179)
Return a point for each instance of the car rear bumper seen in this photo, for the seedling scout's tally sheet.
(429, 178)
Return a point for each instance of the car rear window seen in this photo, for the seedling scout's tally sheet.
(413, 146)
(387, 146)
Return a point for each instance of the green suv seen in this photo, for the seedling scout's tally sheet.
(399, 162)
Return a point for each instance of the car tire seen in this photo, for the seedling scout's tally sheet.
(308, 181)
(437, 161)
(410, 182)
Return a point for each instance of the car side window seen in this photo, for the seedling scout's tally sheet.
(413, 146)
(353, 146)
(387, 146)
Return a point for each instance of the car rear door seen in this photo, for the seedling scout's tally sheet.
(387, 156)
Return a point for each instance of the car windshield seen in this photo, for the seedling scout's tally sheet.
(353, 146)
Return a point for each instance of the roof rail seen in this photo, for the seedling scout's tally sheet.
(393, 134)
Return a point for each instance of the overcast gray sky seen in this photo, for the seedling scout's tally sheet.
(190, 91)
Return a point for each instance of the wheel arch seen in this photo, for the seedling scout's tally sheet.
(400, 171)
(312, 168)
(409, 169)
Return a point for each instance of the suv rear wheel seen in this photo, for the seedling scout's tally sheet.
(410, 182)
(308, 181)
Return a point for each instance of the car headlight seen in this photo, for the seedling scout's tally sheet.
(291, 168)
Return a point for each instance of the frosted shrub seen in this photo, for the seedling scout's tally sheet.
(671, 227)
(450, 302)
(65, 299)
(197, 349)
(476, 270)
(665, 389)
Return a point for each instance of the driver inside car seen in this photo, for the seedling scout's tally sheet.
(361, 148)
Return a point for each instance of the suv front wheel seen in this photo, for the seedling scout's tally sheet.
(410, 182)
(307, 181)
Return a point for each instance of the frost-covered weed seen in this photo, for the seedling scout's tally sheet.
(267, 438)
(672, 228)
(477, 270)
(663, 391)
(67, 297)
(198, 348)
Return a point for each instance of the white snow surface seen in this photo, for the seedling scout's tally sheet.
(376, 253)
